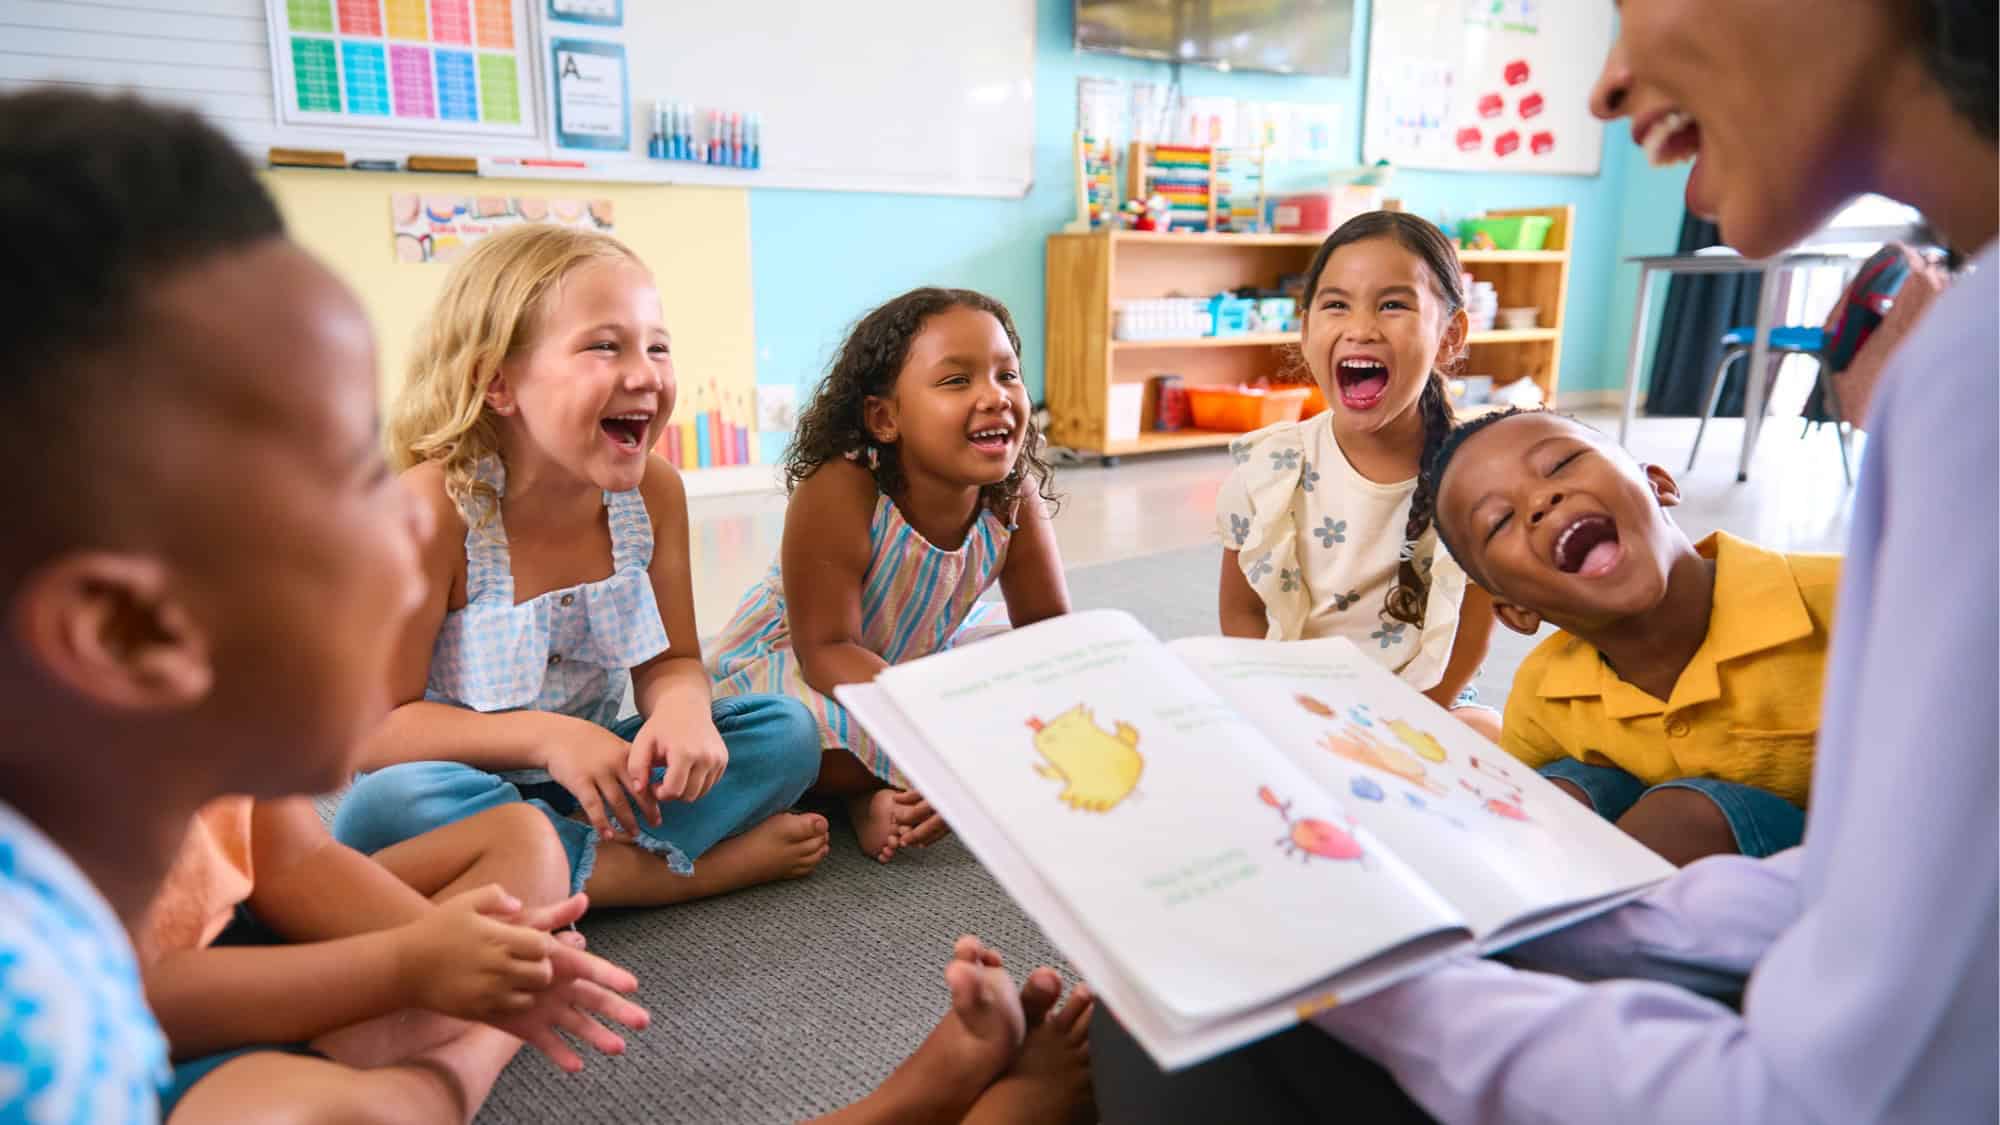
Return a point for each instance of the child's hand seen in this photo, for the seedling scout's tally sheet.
(596, 767)
(584, 988)
(688, 746)
(465, 959)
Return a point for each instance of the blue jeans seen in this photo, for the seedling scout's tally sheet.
(774, 755)
(1762, 822)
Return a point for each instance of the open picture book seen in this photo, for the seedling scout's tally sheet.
(1225, 836)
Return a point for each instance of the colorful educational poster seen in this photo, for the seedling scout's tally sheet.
(593, 102)
(440, 228)
(713, 427)
(457, 66)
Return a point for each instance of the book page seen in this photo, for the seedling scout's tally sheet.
(1212, 869)
(1498, 841)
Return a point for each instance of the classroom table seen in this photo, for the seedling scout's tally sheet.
(1653, 265)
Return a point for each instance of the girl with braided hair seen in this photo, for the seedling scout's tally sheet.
(1326, 523)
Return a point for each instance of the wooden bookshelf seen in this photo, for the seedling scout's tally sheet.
(1089, 273)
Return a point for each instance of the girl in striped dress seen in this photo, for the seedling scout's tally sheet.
(917, 482)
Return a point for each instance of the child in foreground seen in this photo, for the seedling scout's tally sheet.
(917, 482)
(205, 602)
(558, 579)
(1325, 523)
(1681, 698)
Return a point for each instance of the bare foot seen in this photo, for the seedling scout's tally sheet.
(969, 1048)
(875, 826)
(784, 846)
(1049, 1080)
(917, 824)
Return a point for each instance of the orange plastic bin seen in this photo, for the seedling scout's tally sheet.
(1240, 409)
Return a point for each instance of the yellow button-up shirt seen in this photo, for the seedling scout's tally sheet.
(1745, 709)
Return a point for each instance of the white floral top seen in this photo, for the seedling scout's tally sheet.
(1320, 543)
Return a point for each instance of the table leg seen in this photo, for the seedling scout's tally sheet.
(1754, 376)
(1638, 352)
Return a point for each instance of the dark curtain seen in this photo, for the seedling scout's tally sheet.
(1699, 311)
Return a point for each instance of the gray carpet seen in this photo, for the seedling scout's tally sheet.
(785, 1001)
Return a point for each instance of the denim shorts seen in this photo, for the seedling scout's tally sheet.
(1762, 822)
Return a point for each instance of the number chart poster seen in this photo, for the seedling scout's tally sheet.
(458, 66)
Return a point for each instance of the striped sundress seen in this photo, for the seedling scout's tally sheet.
(916, 599)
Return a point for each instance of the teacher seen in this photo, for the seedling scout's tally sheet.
(1865, 960)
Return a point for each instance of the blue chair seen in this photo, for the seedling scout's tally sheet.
(1784, 341)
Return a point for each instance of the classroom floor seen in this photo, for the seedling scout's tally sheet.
(790, 1000)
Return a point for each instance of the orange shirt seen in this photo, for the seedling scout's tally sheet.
(209, 878)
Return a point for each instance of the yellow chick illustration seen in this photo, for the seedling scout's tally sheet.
(1098, 770)
(1425, 746)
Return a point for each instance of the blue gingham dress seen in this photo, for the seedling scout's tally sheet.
(570, 651)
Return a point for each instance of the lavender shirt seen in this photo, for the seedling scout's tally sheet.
(1870, 950)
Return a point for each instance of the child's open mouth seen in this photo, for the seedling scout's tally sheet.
(991, 440)
(1362, 381)
(627, 432)
(1588, 547)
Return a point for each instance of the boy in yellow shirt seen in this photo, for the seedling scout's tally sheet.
(1682, 697)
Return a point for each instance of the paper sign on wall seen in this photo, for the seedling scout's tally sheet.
(441, 228)
(593, 102)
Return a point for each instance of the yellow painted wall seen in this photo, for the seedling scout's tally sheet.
(695, 239)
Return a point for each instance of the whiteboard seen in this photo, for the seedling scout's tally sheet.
(914, 96)
(1486, 85)
(925, 96)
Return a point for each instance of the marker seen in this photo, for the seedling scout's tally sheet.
(656, 146)
(756, 135)
(536, 162)
(736, 140)
(715, 136)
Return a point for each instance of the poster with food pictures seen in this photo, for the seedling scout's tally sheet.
(440, 228)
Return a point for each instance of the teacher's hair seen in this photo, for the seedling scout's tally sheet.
(1959, 44)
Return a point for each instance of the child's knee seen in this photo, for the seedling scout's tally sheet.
(535, 866)
(1680, 824)
(782, 736)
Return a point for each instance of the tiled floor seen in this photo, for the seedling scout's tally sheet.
(1795, 500)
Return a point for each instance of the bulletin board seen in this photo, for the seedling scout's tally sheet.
(1486, 85)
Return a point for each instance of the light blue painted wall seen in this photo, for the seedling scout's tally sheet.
(821, 259)
(1649, 223)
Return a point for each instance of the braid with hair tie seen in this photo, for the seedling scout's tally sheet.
(1406, 598)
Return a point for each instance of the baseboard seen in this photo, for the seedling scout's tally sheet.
(732, 480)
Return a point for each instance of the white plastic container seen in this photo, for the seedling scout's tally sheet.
(1161, 318)
(1128, 403)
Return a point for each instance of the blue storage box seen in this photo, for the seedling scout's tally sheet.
(1231, 315)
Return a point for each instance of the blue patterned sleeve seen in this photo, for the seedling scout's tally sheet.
(1232, 510)
(77, 1045)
